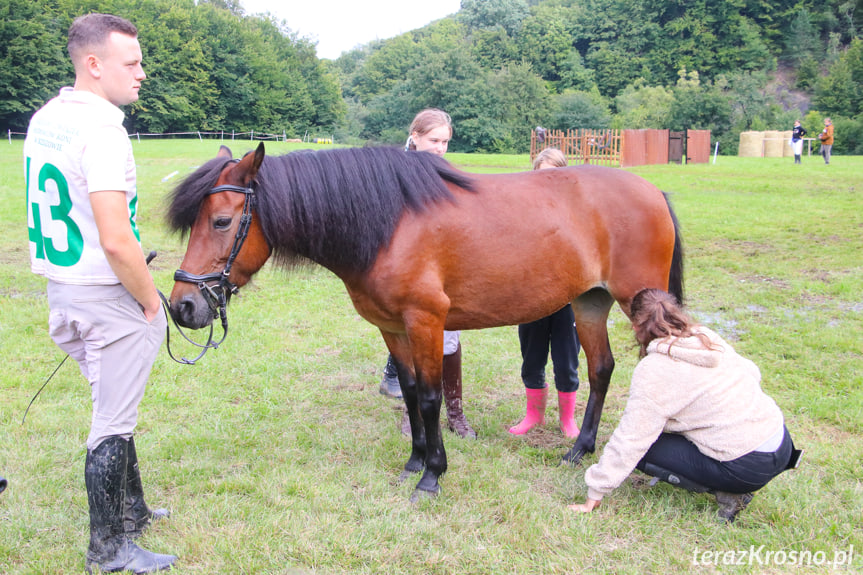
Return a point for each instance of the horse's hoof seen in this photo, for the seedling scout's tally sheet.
(405, 475)
(573, 457)
(420, 494)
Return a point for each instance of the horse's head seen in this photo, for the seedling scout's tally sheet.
(226, 244)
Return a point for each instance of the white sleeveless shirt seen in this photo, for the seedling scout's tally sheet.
(76, 144)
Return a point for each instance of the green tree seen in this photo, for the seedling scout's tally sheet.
(208, 66)
(574, 75)
(640, 106)
(699, 105)
(494, 48)
(801, 42)
(386, 66)
(544, 42)
(490, 14)
(451, 80)
(841, 91)
(808, 73)
(522, 101)
(33, 60)
(748, 98)
(178, 91)
(848, 135)
(576, 110)
(614, 68)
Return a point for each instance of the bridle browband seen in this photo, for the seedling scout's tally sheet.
(217, 296)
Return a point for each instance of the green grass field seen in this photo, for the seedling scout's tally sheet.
(277, 455)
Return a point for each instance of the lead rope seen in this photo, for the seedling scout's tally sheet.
(221, 312)
(26, 411)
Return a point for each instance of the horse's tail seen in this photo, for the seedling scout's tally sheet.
(675, 274)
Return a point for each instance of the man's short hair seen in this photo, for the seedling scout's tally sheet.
(92, 30)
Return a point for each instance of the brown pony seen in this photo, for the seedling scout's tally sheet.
(422, 247)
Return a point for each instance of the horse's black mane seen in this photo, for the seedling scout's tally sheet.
(335, 207)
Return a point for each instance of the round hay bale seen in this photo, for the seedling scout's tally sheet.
(750, 144)
(787, 150)
(773, 144)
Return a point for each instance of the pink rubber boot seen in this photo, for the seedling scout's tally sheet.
(536, 399)
(566, 402)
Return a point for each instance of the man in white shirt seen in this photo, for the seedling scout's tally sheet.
(105, 310)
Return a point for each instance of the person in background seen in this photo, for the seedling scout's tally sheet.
(826, 137)
(696, 416)
(556, 331)
(540, 134)
(105, 311)
(797, 141)
(431, 131)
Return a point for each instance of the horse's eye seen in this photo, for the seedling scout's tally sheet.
(222, 223)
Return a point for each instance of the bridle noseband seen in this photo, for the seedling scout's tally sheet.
(217, 296)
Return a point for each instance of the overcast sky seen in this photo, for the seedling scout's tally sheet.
(340, 25)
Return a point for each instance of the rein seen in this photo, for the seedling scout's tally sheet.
(217, 296)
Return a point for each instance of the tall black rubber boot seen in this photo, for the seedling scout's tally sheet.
(137, 515)
(110, 549)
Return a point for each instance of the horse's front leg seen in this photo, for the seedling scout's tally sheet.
(400, 349)
(425, 334)
(429, 399)
(591, 317)
(417, 460)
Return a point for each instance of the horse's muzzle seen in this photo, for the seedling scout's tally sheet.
(192, 311)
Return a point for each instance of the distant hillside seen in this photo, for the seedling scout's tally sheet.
(499, 66)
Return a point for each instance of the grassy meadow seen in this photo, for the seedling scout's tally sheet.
(277, 454)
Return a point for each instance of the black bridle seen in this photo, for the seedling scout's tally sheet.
(219, 294)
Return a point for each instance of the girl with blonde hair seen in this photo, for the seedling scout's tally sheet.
(431, 131)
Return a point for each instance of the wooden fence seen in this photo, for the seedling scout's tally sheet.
(697, 146)
(600, 147)
(622, 148)
(644, 147)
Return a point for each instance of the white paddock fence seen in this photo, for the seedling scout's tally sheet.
(221, 135)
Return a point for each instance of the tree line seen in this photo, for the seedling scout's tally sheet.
(499, 67)
(209, 66)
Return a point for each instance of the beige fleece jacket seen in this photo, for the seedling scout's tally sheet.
(711, 396)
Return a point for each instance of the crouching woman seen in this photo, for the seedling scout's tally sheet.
(696, 416)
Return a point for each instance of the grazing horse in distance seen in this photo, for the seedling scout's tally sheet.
(422, 247)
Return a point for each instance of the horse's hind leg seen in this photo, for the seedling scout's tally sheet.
(591, 316)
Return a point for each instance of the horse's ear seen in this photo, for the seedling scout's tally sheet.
(225, 152)
(248, 167)
(259, 157)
